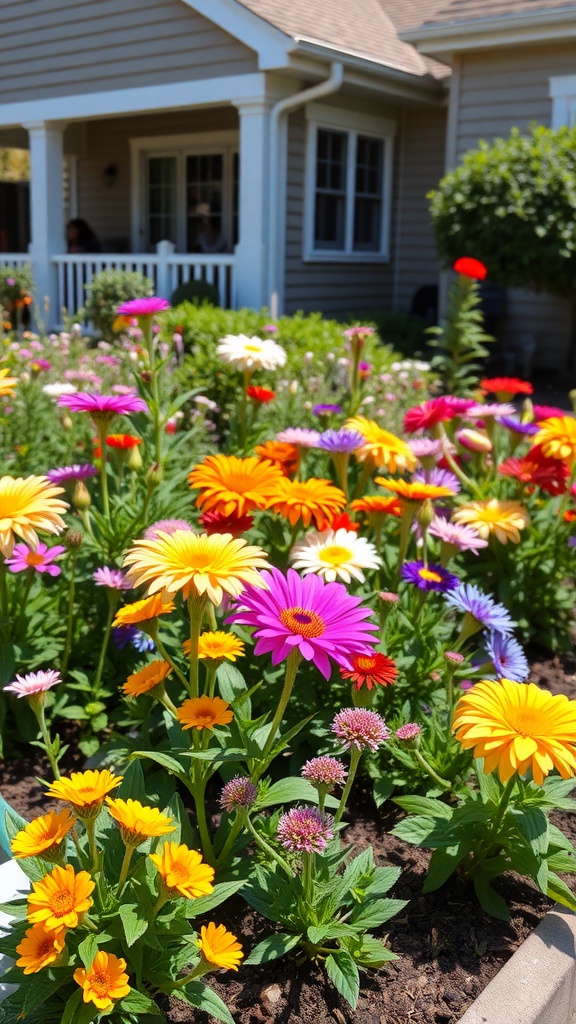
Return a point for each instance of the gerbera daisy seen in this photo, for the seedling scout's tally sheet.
(39, 948)
(335, 554)
(244, 353)
(216, 522)
(506, 387)
(516, 727)
(218, 646)
(371, 670)
(306, 500)
(507, 656)
(234, 486)
(413, 491)
(557, 439)
(381, 448)
(204, 713)
(42, 836)
(138, 823)
(183, 872)
(220, 947)
(85, 791)
(321, 620)
(26, 506)
(147, 678)
(60, 899)
(501, 519)
(377, 505)
(195, 564)
(480, 608)
(430, 577)
(286, 456)
(104, 982)
(146, 306)
(103, 408)
(143, 611)
(300, 437)
(427, 415)
(536, 469)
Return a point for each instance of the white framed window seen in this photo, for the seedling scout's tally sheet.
(185, 191)
(348, 186)
(562, 91)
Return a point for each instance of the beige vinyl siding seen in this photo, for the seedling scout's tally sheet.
(107, 207)
(422, 158)
(61, 47)
(329, 287)
(500, 89)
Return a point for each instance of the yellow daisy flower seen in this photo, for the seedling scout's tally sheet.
(138, 823)
(105, 981)
(502, 519)
(220, 947)
(60, 899)
(380, 447)
(7, 384)
(26, 506)
(557, 438)
(217, 646)
(408, 490)
(85, 790)
(183, 872)
(43, 836)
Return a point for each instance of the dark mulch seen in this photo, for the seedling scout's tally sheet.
(449, 949)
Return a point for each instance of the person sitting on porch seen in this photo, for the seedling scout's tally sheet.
(80, 237)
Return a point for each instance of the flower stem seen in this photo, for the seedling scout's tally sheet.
(264, 845)
(234, 832)
(292, 664)
(307, 859)
(103, 649)
(443, 783)
(162, 650)
(124, 870)
(195, 611)
(355, 756)
(103, 460)
(38, 708)
(70, 615)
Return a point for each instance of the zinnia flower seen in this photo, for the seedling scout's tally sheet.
(147, 678)
(502, 519)
(536, 469)
(507, 656)
(320, 620)
(237, 794)
(380, 447)
(39, 948)
(431, 577)
(234, 486)
(105, 981)
(138, 823)
(313, 499)
(103, 408)
(85, 791)
(34, 683)
(42, 835)
(69, 474)
(335, 554)
(28, 505)
(143, 611)
(286, 456)
(371, 670)
(198, 565)
(60, 899)
(183, 871)
(218, 646)
(305, 830)
(557, 439)
(483, 609)
(517, 726)
(145, 306)
(204, 713)
(325, 772)
(360, 728)
(245, 353)
(220, 947)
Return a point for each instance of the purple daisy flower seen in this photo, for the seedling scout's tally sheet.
(517, 426)
(439, 478)
(40, 560)
(462, 538)
(143, 307)
(114, 579)
(320, 620)
(302, 437)
(325, 771)
(360, 728)
(325, 409)
(240, 792)
(484, 610)
(507, 656)
(69, 474)
(432, 577)
(103, 408)
(340, 441)
(305, 830)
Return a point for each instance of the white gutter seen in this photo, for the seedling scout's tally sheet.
(530, 26)
(277, 190)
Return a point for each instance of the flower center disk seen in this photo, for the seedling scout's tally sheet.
(335, 555)
(303, 622)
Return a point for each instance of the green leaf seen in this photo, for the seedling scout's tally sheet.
(533, 824)
(489, 900)
(205, 998)
(344, 975)
(442, 864)
(222, 891)
(291, 789)
(272, 947)
(416, 830)
(376, 913)
(383, 789)
(133, 922)
(424, 805)
(87, 950)
(138, 1002)
(559, 891)
(78, 1012)
(170, 763)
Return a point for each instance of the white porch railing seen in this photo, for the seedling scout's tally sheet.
(14, 259)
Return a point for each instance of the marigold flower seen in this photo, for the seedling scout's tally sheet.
(335, 554)
(414, 490)
(60, 899)
(501, 519)
(183, 871)
(85, 790)
(307, 500)
(105, 981)
(239, 793)
(468, 266)
(371, 670)
(360, 728)
(39, 948)
(220, 947)
(147, 678)
(195, 564)
(305, 830)
(517, 726)
(234, 486)
(286, 456)
(42, 836)
(557, 439)
(26, 506)
(143, 611)
(380, 447)
(204, 713)
(536, 469)
(217, 646)
(138, 823)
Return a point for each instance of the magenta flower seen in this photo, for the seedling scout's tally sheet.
(239, 793)
(305, 830)
(302, 437)
(325, 771)
(408, 732)
(103, 408)
(143, 307)
(320, 620)
(40, 560)
(360, 728)
(69, 474)
(114, 579)
(166, 526)
(33, 683)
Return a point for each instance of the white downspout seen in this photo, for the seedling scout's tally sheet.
(277, 204)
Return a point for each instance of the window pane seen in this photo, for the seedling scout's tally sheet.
(204, 198)
(330, 221)
(162, 199)
(368, 194)
(330, 198)
(367, 225)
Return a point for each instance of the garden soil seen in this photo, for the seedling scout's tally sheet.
(448, 948)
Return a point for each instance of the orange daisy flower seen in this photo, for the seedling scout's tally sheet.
(183, 872)
(123, 441)
(147, 678)
(39, 948)
(105, 981)
(143, 611)
(204, 713)
(377, 505)
(307, 500)
(284, 455)
(371, 670)
(43, 836)
(234, 486)
(60, 899)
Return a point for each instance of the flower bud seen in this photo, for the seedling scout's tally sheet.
(425, 514)
(146, 376)
(81, 498)
(293, 387)
(66, 420)
(474, 441)
(73, 539)
(134, 460)
(154, 476)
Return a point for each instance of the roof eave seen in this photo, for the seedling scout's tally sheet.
(398, 79)
(439, 40)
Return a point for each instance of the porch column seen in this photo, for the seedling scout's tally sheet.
(251, 251)
(46, 215)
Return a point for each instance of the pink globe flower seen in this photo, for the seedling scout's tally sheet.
(325, 771)
(40, 560)
(239, 793)
(103, 408)
(143, 307)
(34, 683)
(360, 728)
(305, 830)
(408, 732)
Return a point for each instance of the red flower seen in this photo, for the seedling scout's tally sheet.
(217, 522)
(341, 521)
(469, 267)
(506, 387)
(122, 441)
(260, 394)
(373, 669)
(569, 515)
(428, 414)
(536, 469)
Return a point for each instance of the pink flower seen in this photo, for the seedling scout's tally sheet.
(34, 683)
(114, 579)
(428, 414)
(305, 830)
(166, 526)
(547, 412)
(360, 728)
(103, 408)
(238, 793)
(143, 307)
(41, 559)
(463, 538)
(325, 771)
(302, 437)
(410, 731)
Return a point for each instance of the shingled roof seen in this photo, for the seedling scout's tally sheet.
(367, 28)
(473, 10)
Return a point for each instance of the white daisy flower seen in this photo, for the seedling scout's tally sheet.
(335, 554)
(57, 389)
(251, 353)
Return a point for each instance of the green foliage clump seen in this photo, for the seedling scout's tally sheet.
(108, 290)
(16, 284)
(461, 342)
(195, 291)
(512, 204)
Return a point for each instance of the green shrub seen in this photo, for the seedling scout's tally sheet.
(106, 292)
(195, 291)
(512, 204)
(16, 284)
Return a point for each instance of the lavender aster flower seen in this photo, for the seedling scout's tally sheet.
(431, 577)
(114, 579)
(305, 830)
(299, 436)
(426, 447)
(462, 538)
(484, 610)
(69, 474)
(124, 635)
(517, 426)
(360, 728)
(325, 409)
(340, 441)
(507, 656)
(239, 793)
(438, 477)
(325, 771)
